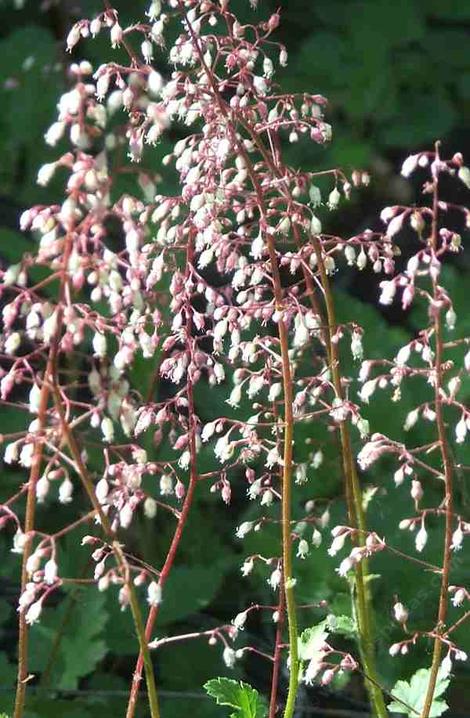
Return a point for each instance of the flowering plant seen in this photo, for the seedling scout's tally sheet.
(224, 289)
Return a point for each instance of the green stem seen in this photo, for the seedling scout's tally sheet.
(364, 608)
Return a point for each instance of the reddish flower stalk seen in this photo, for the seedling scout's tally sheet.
(187, 503)
(447, 462)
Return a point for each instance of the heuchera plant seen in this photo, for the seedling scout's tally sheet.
(227, 282)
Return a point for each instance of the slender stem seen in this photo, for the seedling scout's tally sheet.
(353, 490)
(27, 550)
(183, 516)
(448, 472)
(48, 380)
(356, 514)
(277, 656)
(118, 552)
(289, 582)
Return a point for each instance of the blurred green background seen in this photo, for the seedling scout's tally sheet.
(397, 76)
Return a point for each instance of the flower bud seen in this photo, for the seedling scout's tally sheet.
(400, 613)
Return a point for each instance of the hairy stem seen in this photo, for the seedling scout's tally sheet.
(448, 472)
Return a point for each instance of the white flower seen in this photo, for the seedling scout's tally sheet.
(45, 174)
(11, 452)
(317, 459)
(350, 254)
(411, 419)
(400, 613)
(247, 567)
(409, 165)
(421, 538)
(42, 488)
(107, 429)
(33, 613)
(65, 491)
(303, 549)
(125, 516)
(154, 593)
(166, 485)
(184, 460)
(258, 247)
(268, 67)
(244, 529)
(333, 201)
(116, 35)
(155, 82)
(337, 544)
(99, 344)
(316, 538)
(451, 318)
(457, 538)
(301, 333)
(395, 225)
(315, 225)
(273, 458)
(229, 657)
(275, 391)
(240, 620)
(367, 390)
(356, 346)
(54, 133)
(275, 578)
(260, 85)
(361, 260)
(101, 490)
(50, 571)
(345, 566)
(12, 343)
(34, 399)
(403, 355)
(416, 490)
(19, 541)
(146, 49)
(461, 430)
(73, 37)
(208, 431)
(459, 597)
(255, 385)
(267, 498)
(150, 507)
(387, 213)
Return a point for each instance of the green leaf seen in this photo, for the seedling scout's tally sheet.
(188, 590)
(410, 697)
(236, 694)
(312, 640)
(342, 625)
(68, 641)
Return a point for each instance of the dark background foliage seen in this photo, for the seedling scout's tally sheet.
(397, 75)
